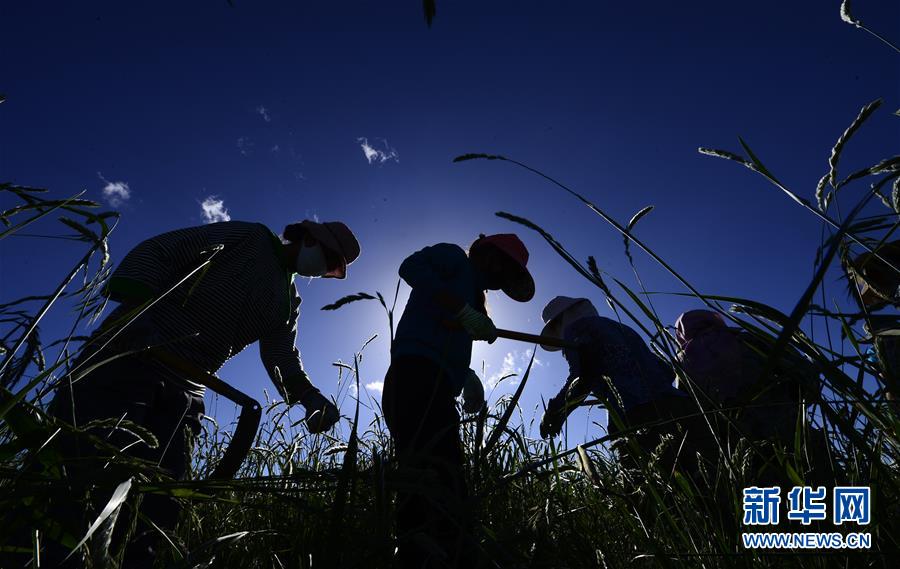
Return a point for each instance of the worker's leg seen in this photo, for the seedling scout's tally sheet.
(127, 389)
(119, 390)
(420, 411)
(175, 421)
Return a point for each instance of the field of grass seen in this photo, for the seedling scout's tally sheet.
(302, 500)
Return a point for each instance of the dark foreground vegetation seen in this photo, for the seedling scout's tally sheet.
(302, 500)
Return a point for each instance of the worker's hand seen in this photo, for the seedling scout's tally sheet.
(321, 413)
(554, 416)
(477, 324)
(473, 393)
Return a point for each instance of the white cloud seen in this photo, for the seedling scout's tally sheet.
(115, 193)
(376, 386)
(244, 145)
(538, 362)
(514, 362)
(376, 156)
(508, 367)
(264, 113)
(214, 210)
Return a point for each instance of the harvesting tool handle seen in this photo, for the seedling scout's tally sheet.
(534, 339)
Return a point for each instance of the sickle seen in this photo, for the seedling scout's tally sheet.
(248, 421)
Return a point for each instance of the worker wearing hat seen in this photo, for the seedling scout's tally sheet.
(611, 361)
(244, 294)
(878, 285)
(429, 368)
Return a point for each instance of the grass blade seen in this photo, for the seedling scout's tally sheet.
(347, 300)
(504, 419)
(631, 223)
(119, 496)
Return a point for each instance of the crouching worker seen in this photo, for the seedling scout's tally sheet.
(429, 368)
(613, 363)
(726, 366)
(245, 294)
(878, 286)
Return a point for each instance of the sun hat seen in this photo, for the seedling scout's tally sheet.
(875, 276)
(337, 238)
(696, 322)
(521, 287)
(572, 308)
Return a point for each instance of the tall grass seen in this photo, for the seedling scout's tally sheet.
(303, 500)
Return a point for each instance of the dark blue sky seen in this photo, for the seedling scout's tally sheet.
(263, 106)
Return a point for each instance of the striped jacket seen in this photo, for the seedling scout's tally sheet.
(246, 294)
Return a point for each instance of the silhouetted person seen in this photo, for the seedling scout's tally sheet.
(727, 367)
(429, 367)
(246, 294)
(878, 286)
(613, 363)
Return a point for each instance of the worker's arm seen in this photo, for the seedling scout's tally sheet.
(573, 393)
(281, 358)
(282, 361)
(591, 362)
(560, 407)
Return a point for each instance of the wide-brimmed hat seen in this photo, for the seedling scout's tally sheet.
(521, 286)
(694, 323)
(572, 308)
(337, 238)
(875, 276)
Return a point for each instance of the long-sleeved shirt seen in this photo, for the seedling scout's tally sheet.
(611, 349)
(246, 294)
(423, 329)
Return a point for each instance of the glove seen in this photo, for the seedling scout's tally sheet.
(321, 413)
(473, 393)
(554, 417)
(477, 324)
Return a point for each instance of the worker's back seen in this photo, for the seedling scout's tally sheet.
(728, 369)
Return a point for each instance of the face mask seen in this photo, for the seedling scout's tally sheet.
(311, 261)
